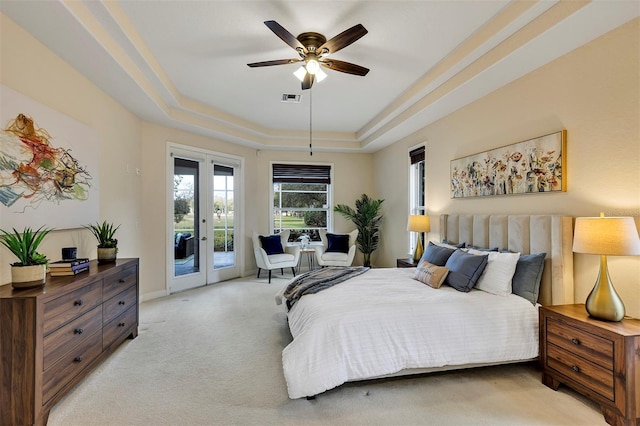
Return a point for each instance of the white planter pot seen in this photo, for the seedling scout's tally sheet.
(28, 276)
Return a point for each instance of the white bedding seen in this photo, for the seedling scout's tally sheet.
(383, 321)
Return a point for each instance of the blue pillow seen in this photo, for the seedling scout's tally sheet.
(461, 245)
(483, 249)
(526, 280)
(464, 270)
(271, 244)
(437, 255)
(338, 243)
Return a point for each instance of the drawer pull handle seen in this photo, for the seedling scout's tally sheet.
(121, 324)
(576, 368)
(121, 302)
(78, 302)
(78, 359)
(575, 341)
(121, 281)
(78, 331)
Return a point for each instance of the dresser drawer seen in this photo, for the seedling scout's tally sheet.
(118, 304)
(68, 336)
(65, 308)
(581, 371)
(72, 363)
(115, 283)
(596, 349)
(120, 327)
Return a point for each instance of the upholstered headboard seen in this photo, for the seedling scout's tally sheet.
(550, 234)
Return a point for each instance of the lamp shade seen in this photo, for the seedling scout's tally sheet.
(419, 223)
(615, 236)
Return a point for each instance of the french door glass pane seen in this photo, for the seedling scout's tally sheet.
(185, 209)
(223, 218)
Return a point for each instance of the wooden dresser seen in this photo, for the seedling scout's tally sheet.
(599, 359)
(52, 336)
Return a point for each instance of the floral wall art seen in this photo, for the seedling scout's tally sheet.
(48, 166)
(537, 165)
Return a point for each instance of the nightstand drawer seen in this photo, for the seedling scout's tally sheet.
(596, 349)
(579, 370)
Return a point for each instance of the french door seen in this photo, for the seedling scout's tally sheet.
(204, 210)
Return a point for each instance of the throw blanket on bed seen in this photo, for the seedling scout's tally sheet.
(320, 279)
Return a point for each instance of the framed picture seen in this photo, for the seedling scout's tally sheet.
(533, 166)
(48, 166)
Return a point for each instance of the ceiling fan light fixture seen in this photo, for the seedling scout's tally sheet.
(313, 66)
(300, 73)
(320, 75)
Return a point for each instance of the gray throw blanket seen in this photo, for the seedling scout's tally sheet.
(320, 279)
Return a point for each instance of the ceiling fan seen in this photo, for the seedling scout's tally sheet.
(313, 49)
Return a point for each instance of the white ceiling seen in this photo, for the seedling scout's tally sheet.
(183, 63)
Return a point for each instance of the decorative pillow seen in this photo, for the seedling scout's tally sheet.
(483, 249)
(497, 276)
(527, 277)
(430, 274)
(338, 243)
(271, 244)
(436, 254)
(449, 244)
(464, 270)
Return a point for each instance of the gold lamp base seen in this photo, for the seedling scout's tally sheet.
(417, 253)
(603, 301)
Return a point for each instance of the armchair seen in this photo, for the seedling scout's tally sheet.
(288, 259)
(335, 258)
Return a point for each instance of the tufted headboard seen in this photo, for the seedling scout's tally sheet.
(525, 234)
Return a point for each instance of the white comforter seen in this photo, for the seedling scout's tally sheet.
(383, 321)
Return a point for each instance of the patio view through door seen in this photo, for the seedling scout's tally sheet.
(203, 190)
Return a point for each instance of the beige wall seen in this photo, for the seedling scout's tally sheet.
(30, 68)
(594, 93)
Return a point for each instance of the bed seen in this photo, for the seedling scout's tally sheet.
(384, 323)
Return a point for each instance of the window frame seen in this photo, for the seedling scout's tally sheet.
(329, 196)
(417, 182)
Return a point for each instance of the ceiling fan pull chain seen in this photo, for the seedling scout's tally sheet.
(310, 127)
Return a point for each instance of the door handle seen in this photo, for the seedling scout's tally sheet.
(203, 239)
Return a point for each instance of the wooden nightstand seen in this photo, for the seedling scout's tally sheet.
(599, 359)
(406, 263)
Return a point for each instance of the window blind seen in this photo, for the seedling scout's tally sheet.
(417, 155)
(301, 173)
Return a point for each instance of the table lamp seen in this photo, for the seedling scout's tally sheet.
(418, 223)
(605, 236)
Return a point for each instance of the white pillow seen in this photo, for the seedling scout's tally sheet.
(497, 276)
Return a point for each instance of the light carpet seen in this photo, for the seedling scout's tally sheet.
(212, 356)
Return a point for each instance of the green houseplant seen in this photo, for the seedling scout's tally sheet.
(367, 218)
(31, 268)
(107, 244)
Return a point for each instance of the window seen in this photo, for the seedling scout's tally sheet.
(301, 199)
(417, 202)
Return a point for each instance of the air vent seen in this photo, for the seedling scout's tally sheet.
(289, 98)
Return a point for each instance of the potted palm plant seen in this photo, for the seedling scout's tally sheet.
(367, 218)
(107, 244)
(31, 268)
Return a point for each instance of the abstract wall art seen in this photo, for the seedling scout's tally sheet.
(48, 166)
(533, 166)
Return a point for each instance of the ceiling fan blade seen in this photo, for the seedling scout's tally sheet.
(307, 82)
(285, 35)
(343, 39)
(276, 62)
(347, 67)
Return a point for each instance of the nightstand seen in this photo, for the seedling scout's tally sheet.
(406, 263)
(599, 359)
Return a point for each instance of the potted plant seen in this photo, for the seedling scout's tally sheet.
(367, 219)
(31, 268)
(107, 245)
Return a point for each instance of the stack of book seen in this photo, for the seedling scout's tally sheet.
(68, 267)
